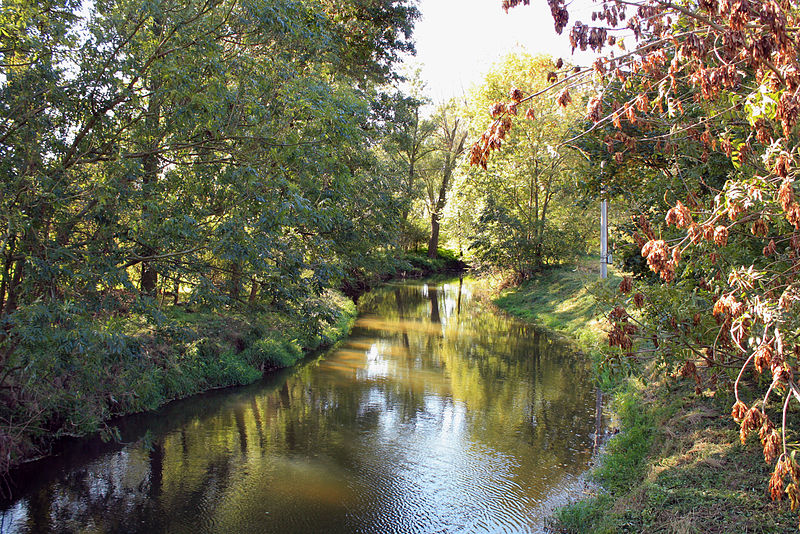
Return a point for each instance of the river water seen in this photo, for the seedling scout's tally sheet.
(438, 414)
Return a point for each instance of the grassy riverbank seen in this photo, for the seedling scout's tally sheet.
(70, 380)
(561, 299)
(677, 465)
(132, 363)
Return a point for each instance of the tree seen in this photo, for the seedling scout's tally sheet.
(524, 202)
(405, 149)
(449, 142)
(177, 116)
(724, 77)
(213, 149)
(410, 140)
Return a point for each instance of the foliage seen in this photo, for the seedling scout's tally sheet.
(675, 465)
(218, 155)
(408, 146)
(446, 146)
(522, 212)
(77, 381)
(411, 236)
(709, 98)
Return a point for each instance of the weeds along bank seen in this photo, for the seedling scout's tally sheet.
(677, 465)
(70, 380)
(117, 365)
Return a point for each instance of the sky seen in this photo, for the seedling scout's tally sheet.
(459, 40)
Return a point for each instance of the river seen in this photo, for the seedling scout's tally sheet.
(438, 414)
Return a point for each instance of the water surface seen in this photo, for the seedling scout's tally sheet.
(438, 414)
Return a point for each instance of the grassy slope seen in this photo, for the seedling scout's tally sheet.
(677, 466)
(560, 299)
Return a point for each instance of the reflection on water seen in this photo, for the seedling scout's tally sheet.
(437, 415)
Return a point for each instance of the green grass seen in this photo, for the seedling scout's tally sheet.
(561, 299)
(677, 467)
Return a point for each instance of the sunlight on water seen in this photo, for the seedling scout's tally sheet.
(438, 414)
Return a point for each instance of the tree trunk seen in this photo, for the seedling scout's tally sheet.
(177, 295)
(236, 281)
(541, 230)
(149, 280)
(16, 280)
(410, 185)
(433, 243)
(7, 273)
(253, 292)
(150, 168)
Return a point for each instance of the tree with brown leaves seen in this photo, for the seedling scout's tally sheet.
(719, 79)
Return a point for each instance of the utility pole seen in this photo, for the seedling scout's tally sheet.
(604, 238)
(604, 257)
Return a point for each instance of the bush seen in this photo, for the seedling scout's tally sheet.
(274, 353)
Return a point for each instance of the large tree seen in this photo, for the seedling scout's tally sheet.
(219, 149)
(181, 139)
(524, 204)
(406, 148)
(448, 144)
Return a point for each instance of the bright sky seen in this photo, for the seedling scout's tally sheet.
(458, 40)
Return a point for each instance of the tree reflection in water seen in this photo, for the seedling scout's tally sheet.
(438, 414)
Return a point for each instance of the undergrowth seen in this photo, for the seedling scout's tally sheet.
(74, 370)
(73, 378)
(402, 264)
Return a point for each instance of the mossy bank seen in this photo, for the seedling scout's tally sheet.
(676, 466)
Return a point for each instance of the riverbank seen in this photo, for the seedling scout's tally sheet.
(562, 299)
(125, 363)
(131, 364)
(437, 401)
(677, 464)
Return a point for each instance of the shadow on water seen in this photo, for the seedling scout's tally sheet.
(436, 415)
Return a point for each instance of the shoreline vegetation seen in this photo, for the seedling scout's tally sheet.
(677, 465)
(189, 350)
